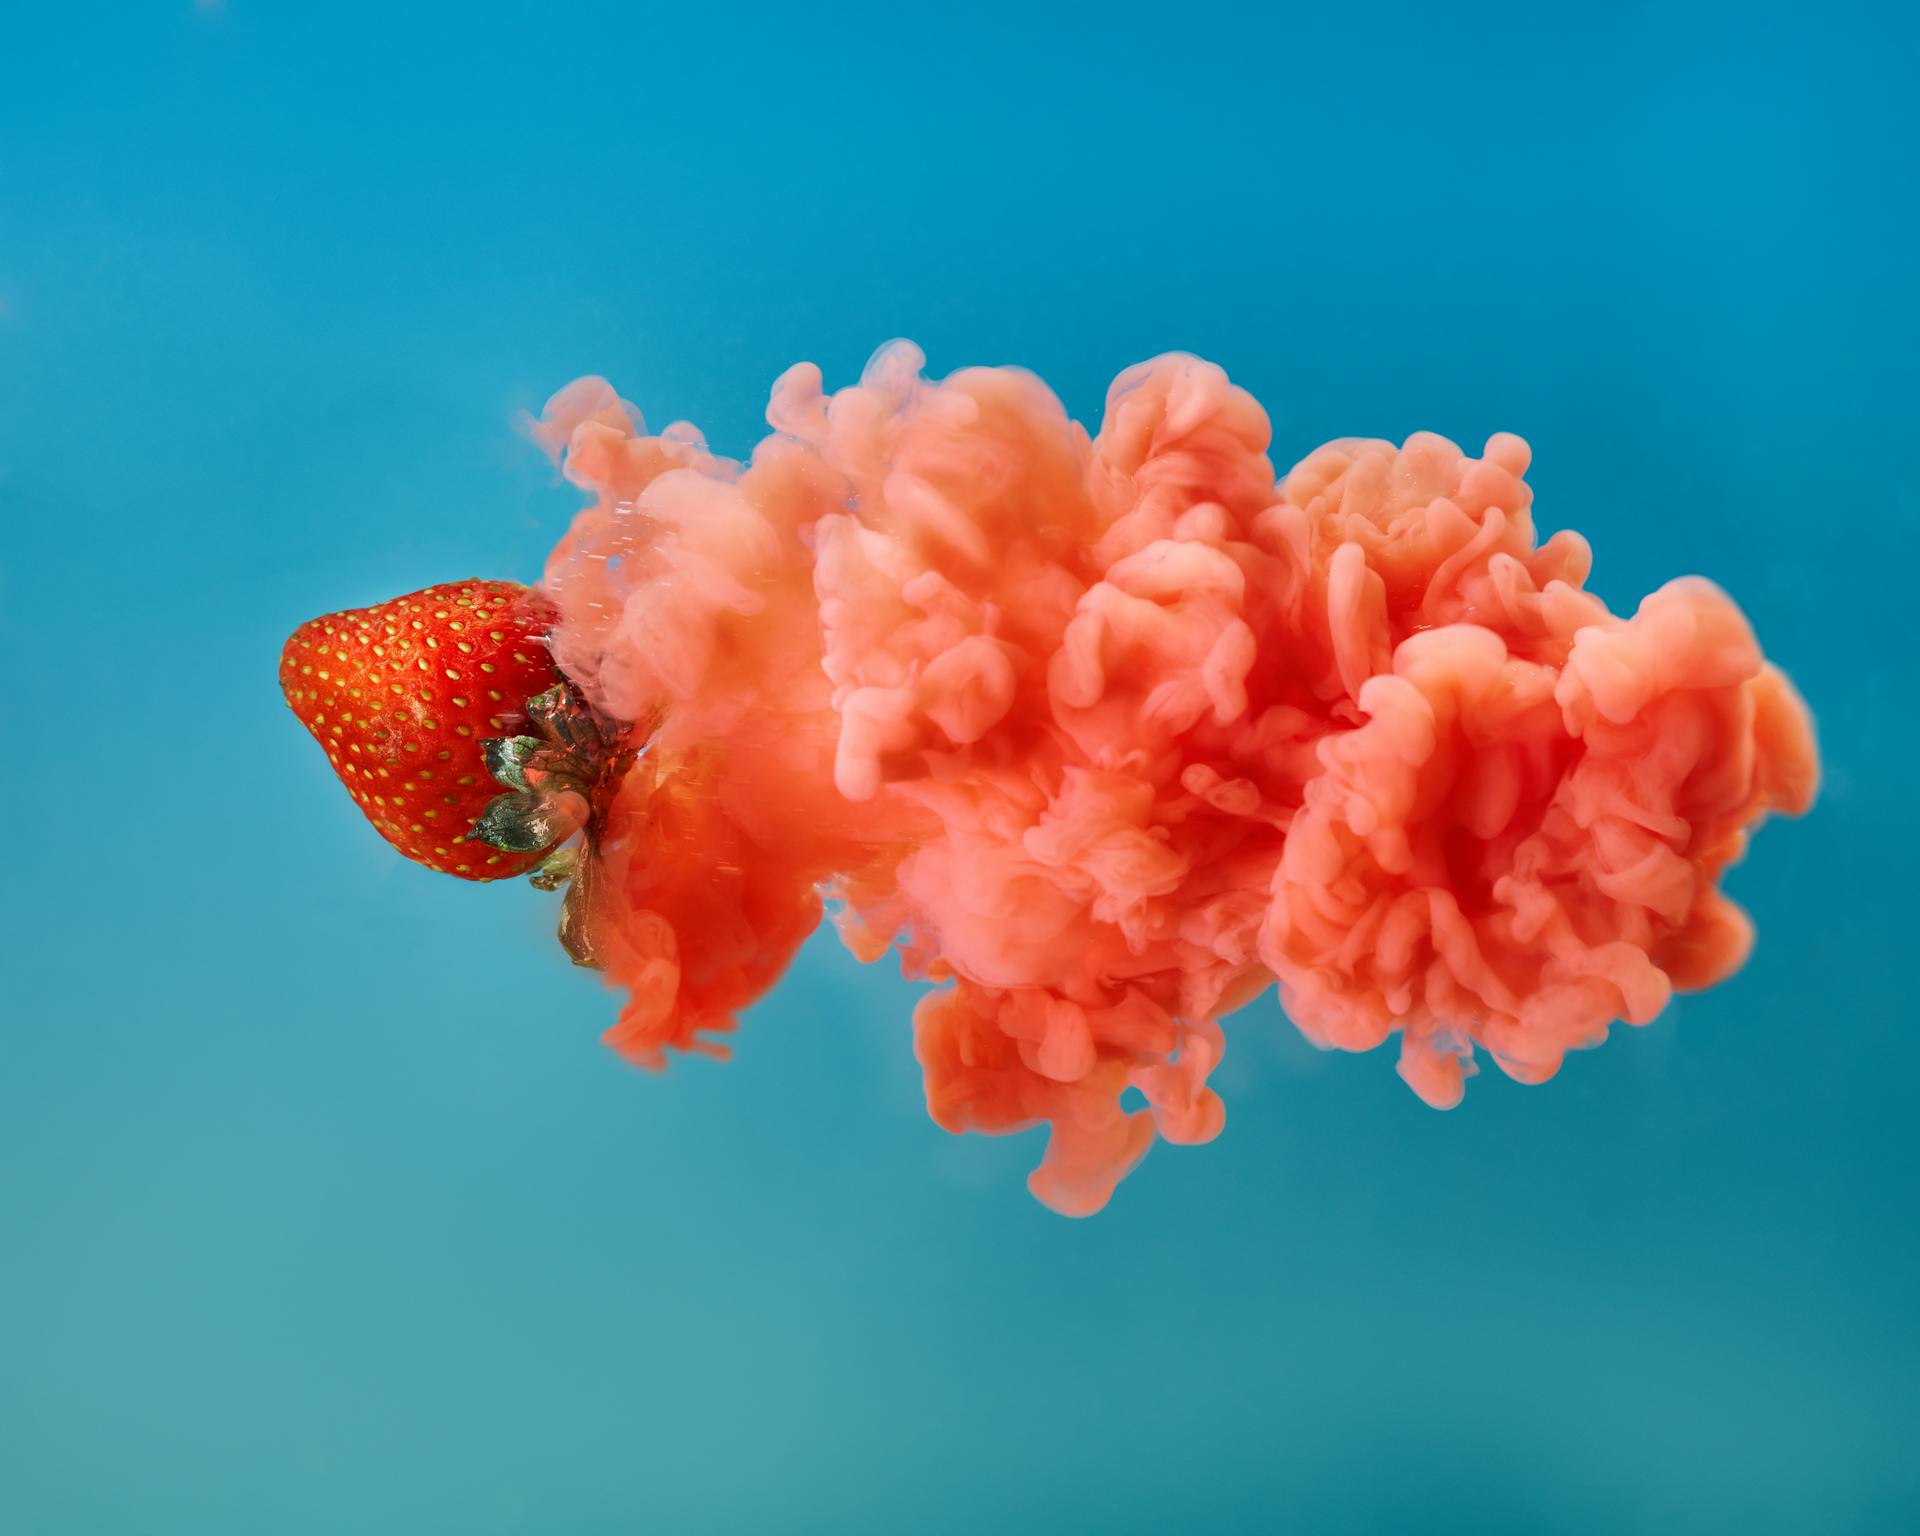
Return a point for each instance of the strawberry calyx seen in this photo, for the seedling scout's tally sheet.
(559, 783)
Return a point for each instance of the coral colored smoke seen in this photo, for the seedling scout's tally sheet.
(1104, 736)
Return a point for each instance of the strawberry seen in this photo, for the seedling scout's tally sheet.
(424, 705)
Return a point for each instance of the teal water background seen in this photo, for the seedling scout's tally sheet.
(321, 1208)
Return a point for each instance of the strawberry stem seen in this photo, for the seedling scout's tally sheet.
(579, 916)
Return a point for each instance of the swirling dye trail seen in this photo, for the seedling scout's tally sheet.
(1105, 735)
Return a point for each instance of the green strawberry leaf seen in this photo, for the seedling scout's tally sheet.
(507, 757)
(517, 823)
(556, 869)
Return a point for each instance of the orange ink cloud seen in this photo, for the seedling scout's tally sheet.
(1103, 736)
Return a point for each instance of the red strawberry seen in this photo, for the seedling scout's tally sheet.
(423, 705)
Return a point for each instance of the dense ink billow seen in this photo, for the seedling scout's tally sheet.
(1106, 735)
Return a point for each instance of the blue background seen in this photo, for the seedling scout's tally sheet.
(322, 1209)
